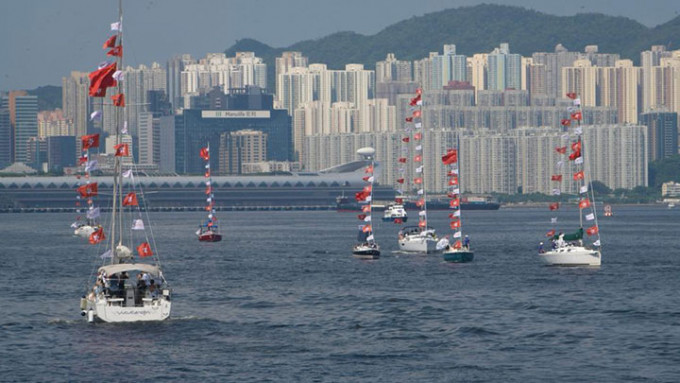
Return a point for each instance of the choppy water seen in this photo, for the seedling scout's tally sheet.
(282, 299)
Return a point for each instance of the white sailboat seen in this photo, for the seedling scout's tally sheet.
(366, 247)
(210, 230)
(421, 238)
(571, 249)
(113, 296)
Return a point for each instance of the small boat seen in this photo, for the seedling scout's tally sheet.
(459, 251)
(671, 205)
(571, 249)
(608, 211)
(114, 297)
(395, 212)
(366, 247)
(209, 231)
(421, 238)
(84, 230)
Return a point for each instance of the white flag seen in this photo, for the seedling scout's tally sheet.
(118, 75)
(198, 232)
(420, 192)
(207, 183)
(91, 165)
(371, 179)
(107, 254)
(400, 191)
(127, 173)
(584, 189)
(207, 166)
(577, 101)
(208, 199)
(456, 213)
(419, 147)
(102, 64)
(559, 164)
(370, 238)
(565, 136)
(578, 130)
(556, 192)
(125, 128)
(422, 213)
(93, 213)
(553, 220)
(96, 115)
(117, 27)
(590, 217)
(456, 191)
(596, 243)
(578, 160)
(369, 198)
(454, 170)
(74, 225)
(458, 234)
(419, 102)
(419, 125)
(367, 219)
(442, 243)
(138, 224)
(419, 169)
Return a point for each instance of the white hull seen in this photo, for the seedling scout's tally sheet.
(84, 231)
(418, 243)
(113, 311)
(572, 256)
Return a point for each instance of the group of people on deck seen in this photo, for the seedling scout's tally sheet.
(114, 285)
(559, 243)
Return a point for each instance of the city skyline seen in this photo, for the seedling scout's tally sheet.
(67, 34)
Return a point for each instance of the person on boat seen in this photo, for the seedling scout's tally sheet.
(153, 289)
(540, 248)
(466, 242)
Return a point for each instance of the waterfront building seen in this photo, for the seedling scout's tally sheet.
(662, 133)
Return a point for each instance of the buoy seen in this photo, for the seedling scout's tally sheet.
(90, 316)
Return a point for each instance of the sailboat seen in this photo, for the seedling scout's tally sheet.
(114, 297)
(421, 238)
(459, 251)
(570, 249)
(366, 247)
(209, 231)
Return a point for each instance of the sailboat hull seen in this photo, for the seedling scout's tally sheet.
(112, 311)
(210, 237)
(418, 244)
(572, 256)
(366, 252)
(458, 256)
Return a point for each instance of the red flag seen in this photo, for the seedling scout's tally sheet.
(420, 202)
(398, 220)
(414, 101)
(592, 230)
(130, 199)
(566, 122)
(578, 175)
(82, 160)
(419, 91)
(209, 207)
(576, 146)
(556, 177)
(102, 79)
(97, 236)
(409, 119)
(207, 173)
(451, 157)
(365, 178)
(453, 181)
(366, 208)
(204, 154)
(575, 155)
(406, 139)
(90, 141)
(571, 95)
(554, 206)
(422, 223)
(88, 190)
(116, 51)
(457, 245)
(584, 203)
(550, 233)
(122, 150)
(144, 250)
(418, 158)
(360, 196)
(208, 190)
(418, 180)
(400, 201)
(118, 99)
(402, 160)
(110, 43)
(454, 202)
(366, 229)
(455, 224)
(417, 113)
(369, 169)
(400, 180)
(576, 116)
(561, 150)
(417, 136)
(368, 188)
(361, 216)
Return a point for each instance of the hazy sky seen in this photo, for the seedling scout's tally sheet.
(43, 40)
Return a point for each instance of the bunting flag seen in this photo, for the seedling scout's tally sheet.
(578, 175)
(91, 165)
(107, 254)
(90, 141)
(418, 180)
(409, 119)
(565, 122)
(596, 243)
(130, 199)
(116, 51)
(584, 189)
(451, 157)
(457, 234)
(369, 169)
(554, 206)
(144, 250)
(117, 26)
(367, 229)
(592, 230)
(455, 224)
(204, 154)
(422, 223)
(399, 201)
(454, 214)
(420, 192)
(571, 95)
(402, 160)
(88, 190)
(551, 233)
(361, 196)
(457, 245)
(561, 150)
(121, 150)
(361, 216)
(577, 102)
(138, 224)
(453, 181)
(416, 101)
(553, 220)
(420, 203)
(417, 113)
(454, 203)
(406, 139)
(119, 76)
(573, 156)
(418, 136)
(579, 160)
(584, 203)
(97, 236)
(576, 116)
(367, 218)
(96, 115)
(419, 169)
(418, 158)
(366, 208)
(556, 177)
(110, 42)
(101, 79)
(127, 173)
(118, 100)
(418, 125)
(556, 191)
(576, 146)
(400, 180)
(590, 217)
(93, 213)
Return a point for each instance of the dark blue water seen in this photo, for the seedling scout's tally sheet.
(282, 299)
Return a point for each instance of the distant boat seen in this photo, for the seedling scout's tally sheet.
(671, 205)
(366, 247)
(209, 231)
(570, 249)
(608, 211)
(459, 251)
(395, 213)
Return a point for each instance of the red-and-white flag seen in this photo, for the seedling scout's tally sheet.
(144, 250)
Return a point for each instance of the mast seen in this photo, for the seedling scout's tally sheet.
(116, 216)
(370, 203)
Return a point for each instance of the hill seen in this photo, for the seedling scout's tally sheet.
(49, 97)
(477, 29)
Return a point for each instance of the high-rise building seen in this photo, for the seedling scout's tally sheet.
(6, 142)
(53, 123)
(288, 61)
(580, 78)
(504, 69)
(23, 112)
(392, 69)
(174, 68)
(218, 70)
(241, 147)
(61, 152)
(662, 133)
(76, 103)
